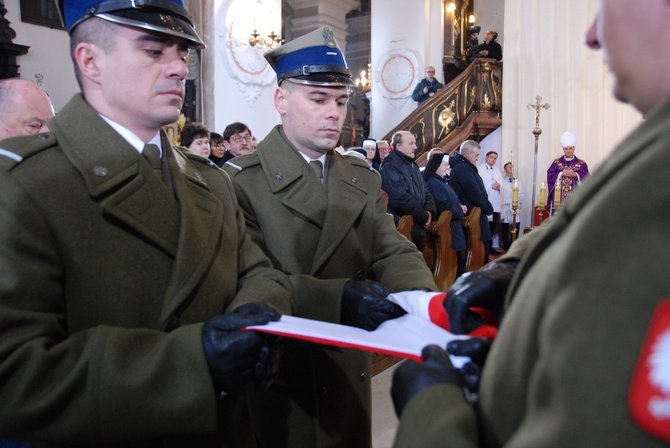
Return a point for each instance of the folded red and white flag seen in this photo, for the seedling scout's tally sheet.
(430, 306)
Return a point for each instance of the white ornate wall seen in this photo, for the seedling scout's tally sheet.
(406, 36)
(49, 56)
(239, 85)
(544, 53)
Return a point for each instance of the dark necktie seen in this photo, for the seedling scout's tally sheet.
(317, 166)
(153, 155)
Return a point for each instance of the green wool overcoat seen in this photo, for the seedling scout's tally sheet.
(105, 280)
(321, 237)
(565, 368)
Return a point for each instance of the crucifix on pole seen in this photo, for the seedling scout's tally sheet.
(536, 132)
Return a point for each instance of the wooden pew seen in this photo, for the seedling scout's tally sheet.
(379, 361)
(445, 262)
(474, 258)
(404, 226)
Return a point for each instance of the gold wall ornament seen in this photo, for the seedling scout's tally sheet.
(447, 119)
(486, 102)
(473, 96)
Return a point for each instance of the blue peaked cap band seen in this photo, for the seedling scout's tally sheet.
(322, 59)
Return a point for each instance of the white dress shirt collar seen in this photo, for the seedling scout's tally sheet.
(133, 139)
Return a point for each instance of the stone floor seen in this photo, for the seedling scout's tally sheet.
(384, 420)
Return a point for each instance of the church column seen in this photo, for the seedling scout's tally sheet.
(312, 14)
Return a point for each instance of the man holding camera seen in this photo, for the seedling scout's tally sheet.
(427, 87)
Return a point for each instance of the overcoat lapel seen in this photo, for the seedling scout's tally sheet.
(115, 176)
(288, 174)
(345, 203)
(134, 197)
(198, 243)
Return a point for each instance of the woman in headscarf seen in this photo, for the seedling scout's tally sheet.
(436, 176)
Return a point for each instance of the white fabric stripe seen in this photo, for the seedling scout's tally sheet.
(11, 155)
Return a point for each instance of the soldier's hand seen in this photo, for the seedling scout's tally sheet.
(485, 288)
(242, 361)
(411, 378)
(365, 305)
(475, 348)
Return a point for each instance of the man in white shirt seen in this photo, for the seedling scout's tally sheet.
(492, 178)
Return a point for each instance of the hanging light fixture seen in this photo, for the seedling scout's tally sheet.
(364, 82)
(271, 41)
(263, 35)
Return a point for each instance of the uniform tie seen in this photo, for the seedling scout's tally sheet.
(153, 156)
(159, 164)
(317, 166)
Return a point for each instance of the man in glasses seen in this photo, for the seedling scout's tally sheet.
(427, 87)
(237, 141)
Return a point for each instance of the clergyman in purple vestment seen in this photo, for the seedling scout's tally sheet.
(565, 172)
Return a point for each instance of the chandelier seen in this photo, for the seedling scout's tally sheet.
(364, 82)
(271, 41)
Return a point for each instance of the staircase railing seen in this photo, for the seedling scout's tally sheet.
(470, 106)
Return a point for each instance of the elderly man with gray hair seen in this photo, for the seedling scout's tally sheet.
(469, 187)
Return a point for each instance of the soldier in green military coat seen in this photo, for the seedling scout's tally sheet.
(323, 226)
(115, 275)
(582, 355)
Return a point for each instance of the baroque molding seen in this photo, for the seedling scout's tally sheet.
(245, 63)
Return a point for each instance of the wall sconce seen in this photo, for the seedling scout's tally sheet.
(451, 7)
(364, 83)
(255, 23)
(471, 19)
(271, 41)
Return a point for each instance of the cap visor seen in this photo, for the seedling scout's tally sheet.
(148, 19)
(324, 79)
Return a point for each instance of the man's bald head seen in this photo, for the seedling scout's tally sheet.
(24, 108)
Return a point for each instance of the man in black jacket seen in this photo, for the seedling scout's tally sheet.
(490, 48)
(467, 183)
(404, 184)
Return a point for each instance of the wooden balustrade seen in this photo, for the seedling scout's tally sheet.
(469, 107)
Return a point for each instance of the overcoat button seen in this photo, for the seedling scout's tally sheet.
(324, 391)
(42, 137)
(100, 171)
(354, 179)
(363, 376)
(279, 176)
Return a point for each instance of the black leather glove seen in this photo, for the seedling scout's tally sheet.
(485, 288)
(241, 361)
(477, 349)
(365, 305)
(411, 378)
